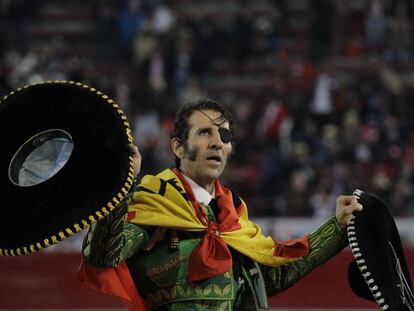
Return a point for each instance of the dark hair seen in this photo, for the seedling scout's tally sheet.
(181, 126)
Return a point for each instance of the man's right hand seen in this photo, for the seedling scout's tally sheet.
(136, 158)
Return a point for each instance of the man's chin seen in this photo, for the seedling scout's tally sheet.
(214, 173)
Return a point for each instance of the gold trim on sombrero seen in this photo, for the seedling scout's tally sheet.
(67, 232)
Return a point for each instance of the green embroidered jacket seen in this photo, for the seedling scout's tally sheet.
(160, 273)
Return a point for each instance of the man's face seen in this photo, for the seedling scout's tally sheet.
(204, 154)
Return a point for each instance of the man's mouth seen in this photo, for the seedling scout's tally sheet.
(214, 159)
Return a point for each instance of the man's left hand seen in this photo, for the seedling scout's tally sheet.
(346, 205)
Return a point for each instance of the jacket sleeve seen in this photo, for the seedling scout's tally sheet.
(325, 242)
(112, 240)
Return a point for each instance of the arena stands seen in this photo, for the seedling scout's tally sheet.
(322, 90)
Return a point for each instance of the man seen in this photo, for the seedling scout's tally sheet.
(187, 241)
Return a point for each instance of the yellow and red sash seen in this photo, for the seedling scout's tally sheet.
(167, 200)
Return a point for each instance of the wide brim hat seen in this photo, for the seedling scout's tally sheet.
(379, 271)
(88, 134)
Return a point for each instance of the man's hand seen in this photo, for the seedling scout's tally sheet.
(346, 205)
(136, 158)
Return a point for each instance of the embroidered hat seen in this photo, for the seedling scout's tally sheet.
(379, 270)
(64, 163)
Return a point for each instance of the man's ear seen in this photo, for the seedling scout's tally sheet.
(177, 147)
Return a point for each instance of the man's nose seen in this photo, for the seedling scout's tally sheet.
(216, 141)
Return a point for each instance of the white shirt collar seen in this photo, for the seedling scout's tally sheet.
(201, 194)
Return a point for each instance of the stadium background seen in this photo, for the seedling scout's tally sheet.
(322, 92)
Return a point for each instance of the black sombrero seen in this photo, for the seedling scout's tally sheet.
(379, 271)
(64, 163)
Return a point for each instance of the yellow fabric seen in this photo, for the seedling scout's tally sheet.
(172, 211)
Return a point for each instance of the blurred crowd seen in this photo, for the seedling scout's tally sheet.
(322, 90)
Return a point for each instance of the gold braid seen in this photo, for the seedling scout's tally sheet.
(324, 243)
(112, 240)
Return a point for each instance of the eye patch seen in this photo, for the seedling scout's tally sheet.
(225, 135)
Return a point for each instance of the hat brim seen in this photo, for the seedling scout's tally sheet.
(379, 271)
(95, 178)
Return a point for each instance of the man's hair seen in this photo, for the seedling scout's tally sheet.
(181, 126)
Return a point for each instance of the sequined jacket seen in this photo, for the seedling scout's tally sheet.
(160, 273)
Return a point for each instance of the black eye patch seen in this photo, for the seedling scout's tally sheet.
(225, 135)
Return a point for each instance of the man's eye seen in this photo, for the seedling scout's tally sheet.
(204, 133)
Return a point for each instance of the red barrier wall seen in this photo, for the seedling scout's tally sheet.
(49, 281)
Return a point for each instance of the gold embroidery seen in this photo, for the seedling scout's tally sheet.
(324, 243)
(180, 292)
(175, 261)
(227, 289)
(208, 289)
(224, 306)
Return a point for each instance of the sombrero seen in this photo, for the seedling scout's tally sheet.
(379, 270)
(64, 163)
